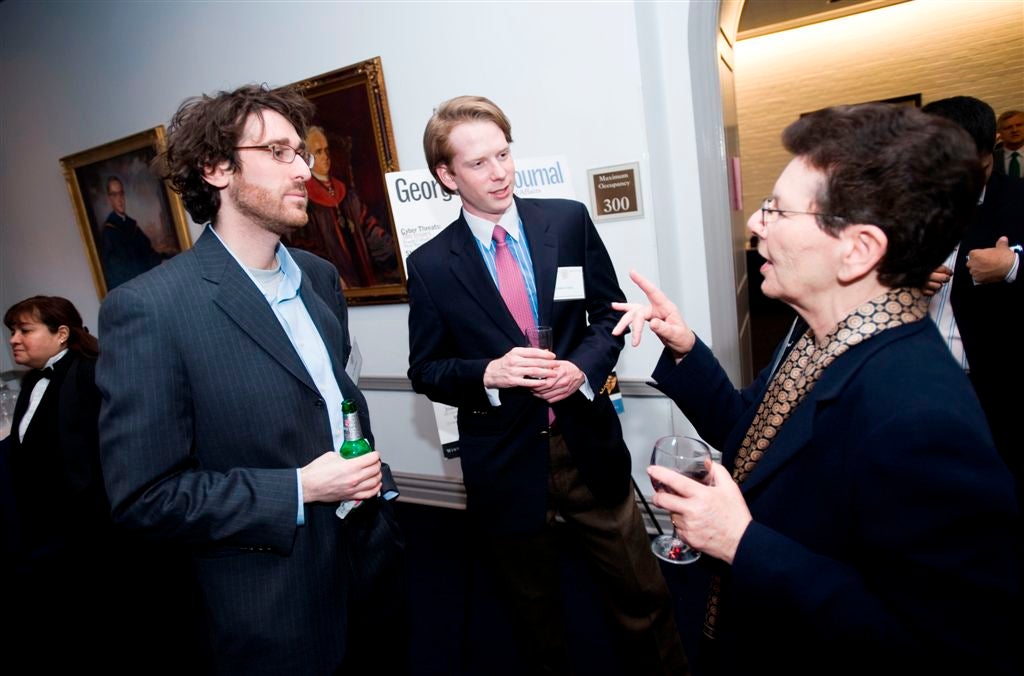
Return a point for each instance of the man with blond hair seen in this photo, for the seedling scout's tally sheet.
(538, 434)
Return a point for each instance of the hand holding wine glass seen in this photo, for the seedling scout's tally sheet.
(692, 458)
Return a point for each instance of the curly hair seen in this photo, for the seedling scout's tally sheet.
(450, 114)
(55, 312)
(204, 132)
(915, 176)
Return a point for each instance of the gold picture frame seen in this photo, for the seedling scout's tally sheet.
(351, 224)
(129, 218)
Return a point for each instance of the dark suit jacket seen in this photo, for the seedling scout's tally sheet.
(59, 456)
(990, 317)
(65, 558)
(207, 412)
(884, 521)
(458, 323)
(999, 160)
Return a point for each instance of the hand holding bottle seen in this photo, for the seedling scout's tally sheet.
(355, 445)
(331, 478)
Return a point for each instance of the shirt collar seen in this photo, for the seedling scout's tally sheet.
(55, 358)
(289, 287)
(482, 228)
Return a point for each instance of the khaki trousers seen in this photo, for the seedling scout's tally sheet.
(626, 572)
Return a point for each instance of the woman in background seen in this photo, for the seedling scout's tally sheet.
(77, 591)
(59, 530)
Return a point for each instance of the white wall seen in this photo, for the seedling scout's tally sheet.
(77, 75)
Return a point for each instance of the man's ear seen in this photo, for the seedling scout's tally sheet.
(447, 179)
(218, 175)
(863, 247)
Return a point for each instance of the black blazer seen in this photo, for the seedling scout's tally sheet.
(55, 471)
(990, 317)
(61, 560)
(883, 524)
(458, 323)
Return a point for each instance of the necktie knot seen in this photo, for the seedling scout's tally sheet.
(499, 235)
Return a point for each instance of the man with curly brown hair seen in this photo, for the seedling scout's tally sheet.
(222, 376)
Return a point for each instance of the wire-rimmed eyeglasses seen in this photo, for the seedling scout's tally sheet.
(283, 153)
(770, 215)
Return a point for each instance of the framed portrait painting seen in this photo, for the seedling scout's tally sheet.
(130, 220)
(350, 221)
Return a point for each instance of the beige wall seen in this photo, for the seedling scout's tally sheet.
(937, 48)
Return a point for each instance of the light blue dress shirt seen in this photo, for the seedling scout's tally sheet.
(281, 289)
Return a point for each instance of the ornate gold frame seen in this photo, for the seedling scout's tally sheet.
(352, 108)
(85, 174)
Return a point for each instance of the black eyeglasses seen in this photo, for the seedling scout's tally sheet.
(770, 216)
(283, 153)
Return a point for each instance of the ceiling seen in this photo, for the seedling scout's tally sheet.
(760, 17)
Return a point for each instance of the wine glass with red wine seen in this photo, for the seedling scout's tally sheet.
(690, 457)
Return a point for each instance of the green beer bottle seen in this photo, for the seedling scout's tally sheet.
(355, 444)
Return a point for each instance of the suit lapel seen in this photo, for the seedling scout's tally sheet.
(544, 252)
(242, 302)
(794, 436)
(799, 429)
(469, 269)
(28, 383)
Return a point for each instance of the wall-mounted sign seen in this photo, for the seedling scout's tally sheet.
(615, 192)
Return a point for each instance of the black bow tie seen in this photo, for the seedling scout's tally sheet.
(46, 372)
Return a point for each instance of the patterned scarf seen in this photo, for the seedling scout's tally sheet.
(796, 378)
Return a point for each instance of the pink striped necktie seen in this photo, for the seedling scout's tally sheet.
(513, 287)
(510, 281)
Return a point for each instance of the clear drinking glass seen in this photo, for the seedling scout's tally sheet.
(539, 337)
(692, 458)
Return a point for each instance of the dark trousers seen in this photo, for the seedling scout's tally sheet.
(627, 574)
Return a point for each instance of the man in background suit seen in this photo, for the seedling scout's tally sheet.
(986, 289)
(1008, 158)
(467, 348)
(222, 376)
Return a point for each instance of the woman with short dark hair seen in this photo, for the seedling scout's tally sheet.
(862, 521)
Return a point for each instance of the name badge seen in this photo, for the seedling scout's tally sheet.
(569, 283)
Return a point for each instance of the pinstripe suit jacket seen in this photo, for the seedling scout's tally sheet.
(207, 411)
